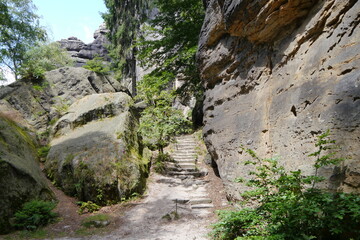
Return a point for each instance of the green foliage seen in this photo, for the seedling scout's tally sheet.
(288, 204)
(170, 43)
(98, 65)
(124, 19)
(94, 221)
(88, 207)
(41, 58)
(159, 122)
(35, 214)
(160, 162)
(43, 151)
(20, 31)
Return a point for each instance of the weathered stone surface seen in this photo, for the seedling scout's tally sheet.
(95, 154)
(82, 52)
(62, 87)
(21, 179)
(278, 73)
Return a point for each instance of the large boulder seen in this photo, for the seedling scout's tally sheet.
(95, 154)
(277, 74)
(42, 104)
(21, 179)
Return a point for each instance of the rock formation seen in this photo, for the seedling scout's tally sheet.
(21, 179)
(277, 74)
(90, 124)
(95, 154)
(82, 52)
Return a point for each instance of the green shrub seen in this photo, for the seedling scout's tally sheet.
(98, 65)
(289, 206)
(41, 58)
(88, 207)
(43, 151)
(34, 214)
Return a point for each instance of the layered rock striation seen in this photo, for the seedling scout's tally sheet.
(277, 74)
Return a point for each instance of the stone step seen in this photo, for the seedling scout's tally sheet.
(182, 165)
(185, 147)
(200, 206)
(185, 173)
(196, 201)
(178, 169)
(182, 153)
(185, 141)
(184, 158)
(184, 161)
(182, 143)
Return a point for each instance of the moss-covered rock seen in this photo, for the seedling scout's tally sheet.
(95, 154)
(21, 179)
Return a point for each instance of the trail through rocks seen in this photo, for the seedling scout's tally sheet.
(178, 206)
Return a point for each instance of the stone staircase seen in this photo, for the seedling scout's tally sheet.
(186, 168)
(185, 159)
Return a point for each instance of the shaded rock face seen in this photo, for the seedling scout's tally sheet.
(41, 107)
(82, 52)
(277, 74)
(95, 154)
(21, 179)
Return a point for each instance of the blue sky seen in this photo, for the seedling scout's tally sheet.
(66, 18)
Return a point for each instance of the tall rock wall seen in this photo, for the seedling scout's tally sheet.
(277, 74)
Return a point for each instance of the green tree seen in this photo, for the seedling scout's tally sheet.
(170, 43)
(160, 122)
(98, 65)
(41, 58)
(124, 19)
(19, 31)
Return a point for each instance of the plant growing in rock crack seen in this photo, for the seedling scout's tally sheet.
(289, 206)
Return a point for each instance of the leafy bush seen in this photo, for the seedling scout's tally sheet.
(43, 151)
(35, 214)
(88, 207)
(289, 206)
(42, 58)
(160, 122)
(98, 65)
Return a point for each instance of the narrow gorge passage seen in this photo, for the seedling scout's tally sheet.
(177, 206)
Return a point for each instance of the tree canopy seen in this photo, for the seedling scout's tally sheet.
(124, 19)
(170, 42)
(20, 30)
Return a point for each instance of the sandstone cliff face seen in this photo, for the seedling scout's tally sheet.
(278, 73)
